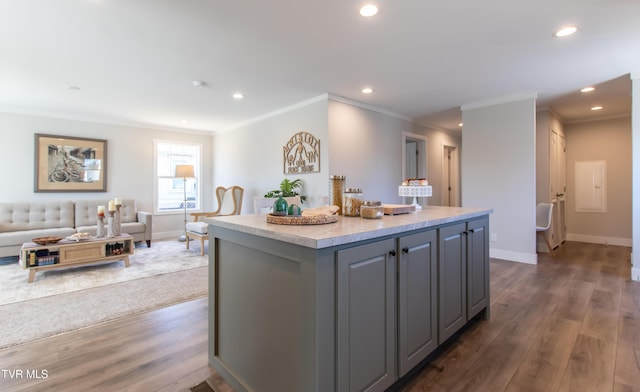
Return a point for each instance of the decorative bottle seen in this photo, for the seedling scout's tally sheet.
(336, 191)
(280, 206)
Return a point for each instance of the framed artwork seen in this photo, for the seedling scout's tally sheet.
(70, 164)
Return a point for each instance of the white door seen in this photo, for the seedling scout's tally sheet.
(450, 177)
(562, 190)
(562, 165)
(553, 165)
(411, 159)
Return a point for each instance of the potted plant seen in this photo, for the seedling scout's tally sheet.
(288, 188)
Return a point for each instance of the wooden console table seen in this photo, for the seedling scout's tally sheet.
(68, 253)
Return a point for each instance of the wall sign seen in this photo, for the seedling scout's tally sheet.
(302, 154)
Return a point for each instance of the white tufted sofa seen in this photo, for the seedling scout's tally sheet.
(20, 222)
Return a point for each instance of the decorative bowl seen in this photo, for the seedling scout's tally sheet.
(46, 240)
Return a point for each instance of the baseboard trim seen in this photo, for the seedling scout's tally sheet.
(635, 274)
(519, 257)
(167, 235)
(594, 239)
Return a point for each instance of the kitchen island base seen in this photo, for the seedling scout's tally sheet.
(356, 315)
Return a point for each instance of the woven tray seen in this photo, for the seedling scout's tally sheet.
(301, 220)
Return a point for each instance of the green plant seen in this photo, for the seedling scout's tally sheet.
(288, 189)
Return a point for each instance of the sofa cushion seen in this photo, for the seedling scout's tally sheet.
(127, 228)
(87, 211)
(35, 216)
(20, 237)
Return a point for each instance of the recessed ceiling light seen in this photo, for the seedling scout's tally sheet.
(596, 108)
(367, 90)
(460, 124)
(565, 31)
(199, 83)
(184, 121)
(238, 96)
(368, 10)
(587, 89)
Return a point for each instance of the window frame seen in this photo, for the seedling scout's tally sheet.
(197, 166)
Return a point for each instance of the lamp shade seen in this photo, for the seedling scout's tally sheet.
(184, 171)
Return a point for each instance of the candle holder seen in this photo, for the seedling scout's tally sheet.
(110, 225)
(100, 229)
(117, 224)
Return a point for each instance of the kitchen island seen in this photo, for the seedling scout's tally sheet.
(346, 306)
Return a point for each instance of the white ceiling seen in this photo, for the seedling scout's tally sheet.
(134, 61)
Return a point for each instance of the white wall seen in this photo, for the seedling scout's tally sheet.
(130, 170)
(499, 172)
(366, 147)
(610, 141)
(252, 156)
(363, 144)
(635, 137)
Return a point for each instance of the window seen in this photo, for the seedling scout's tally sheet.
(169, 190)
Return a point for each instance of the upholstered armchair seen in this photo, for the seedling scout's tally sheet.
(229, 203)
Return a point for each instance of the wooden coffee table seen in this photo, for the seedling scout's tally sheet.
(69, 253)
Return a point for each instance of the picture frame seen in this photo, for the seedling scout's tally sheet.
(70, 164)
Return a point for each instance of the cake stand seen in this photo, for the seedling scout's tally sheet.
(415, 191)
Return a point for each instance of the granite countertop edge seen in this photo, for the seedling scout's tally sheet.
(347, 229)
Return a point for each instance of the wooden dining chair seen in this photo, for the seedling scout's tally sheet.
(229, 203)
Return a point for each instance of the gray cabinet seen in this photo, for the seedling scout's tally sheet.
(463, 274)
(366, 317)
(452, 280)
(417, 298)
(354, 316)
(478, 267)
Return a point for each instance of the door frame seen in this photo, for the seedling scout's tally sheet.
(455, 173)
(423, 159)
(422, 149)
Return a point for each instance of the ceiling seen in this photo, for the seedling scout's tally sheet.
(133, 62)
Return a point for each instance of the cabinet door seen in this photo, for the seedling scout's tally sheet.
(477, 267)
(452, 280)
(366, 335)
(417, 298)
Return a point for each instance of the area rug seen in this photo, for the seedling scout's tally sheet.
(31, 320)
(69, 299)
(161, 258)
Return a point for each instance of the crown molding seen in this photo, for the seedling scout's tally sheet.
(499, 101)
(361, 105)
(99, 120)
(277, 112)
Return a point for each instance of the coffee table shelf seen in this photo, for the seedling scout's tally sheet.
(68, 253)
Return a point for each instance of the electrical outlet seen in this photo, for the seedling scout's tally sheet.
(494, 237)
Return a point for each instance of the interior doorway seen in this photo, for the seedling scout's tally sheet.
(414, 156)
(450, 176)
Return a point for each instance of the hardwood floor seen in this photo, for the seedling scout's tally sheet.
(571, 323)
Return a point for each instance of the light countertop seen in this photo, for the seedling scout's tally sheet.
(346, 229)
